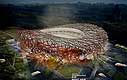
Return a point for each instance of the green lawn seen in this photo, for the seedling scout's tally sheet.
(68, 70)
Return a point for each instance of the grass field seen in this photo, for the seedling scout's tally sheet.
(68, 70)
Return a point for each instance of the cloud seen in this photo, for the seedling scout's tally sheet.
(62, 1)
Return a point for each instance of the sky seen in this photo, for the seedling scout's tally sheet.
(62, 1)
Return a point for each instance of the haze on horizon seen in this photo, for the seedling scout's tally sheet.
(61, 1)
